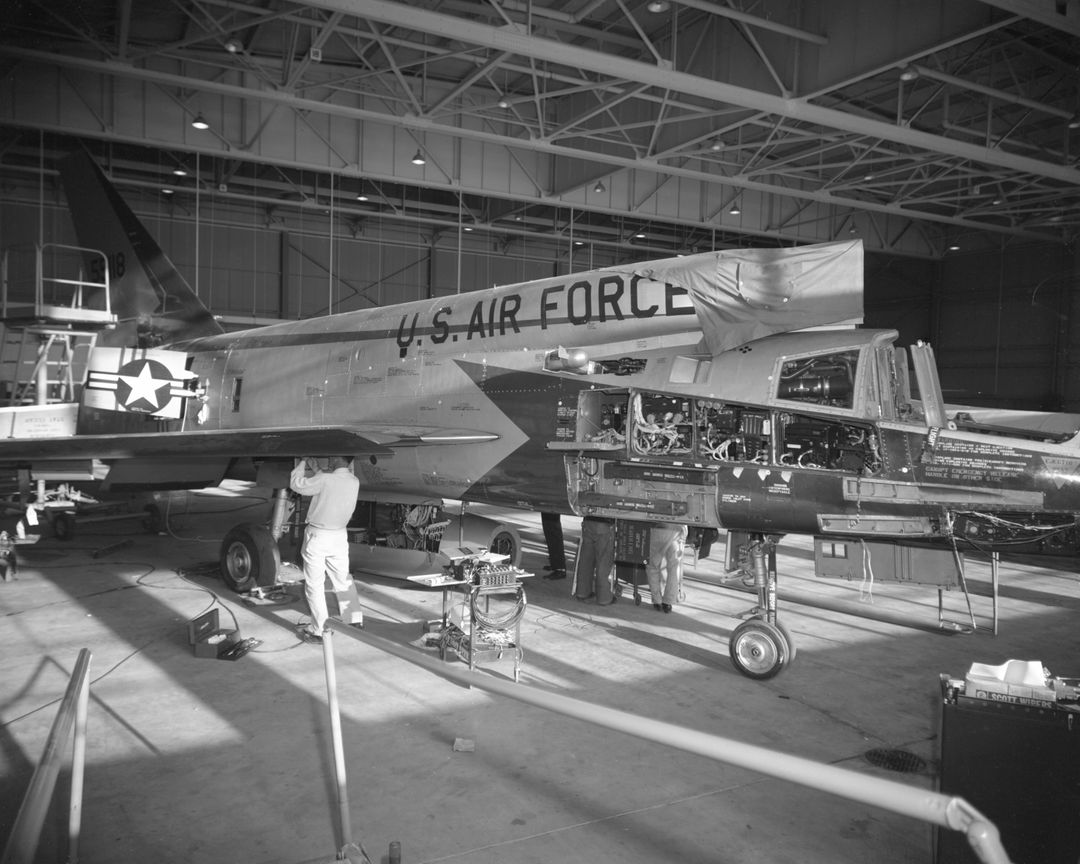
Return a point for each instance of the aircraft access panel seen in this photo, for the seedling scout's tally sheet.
(639, 454)
(620, 489)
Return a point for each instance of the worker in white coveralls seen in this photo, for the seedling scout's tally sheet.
(666, 541)
(326, 542)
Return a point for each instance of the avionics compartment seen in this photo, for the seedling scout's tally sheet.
(597, 423)
(661, 425)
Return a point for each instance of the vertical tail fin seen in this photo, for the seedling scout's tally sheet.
(153, 302)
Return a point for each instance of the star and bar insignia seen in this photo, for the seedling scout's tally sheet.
(143, 386)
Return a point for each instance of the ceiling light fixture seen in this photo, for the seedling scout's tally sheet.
(735, 211)
(199, 123)
(716, 145)
(361, 197)
(599, 187)
(640, 235)
(179, 172)
(419, 159)
(234, 45)
(1074, 121)
(909, 73)
(166, 191)
(954, 247)
(504, 102)
(658, 6)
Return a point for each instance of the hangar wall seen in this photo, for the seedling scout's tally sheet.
(1007, 327)
(1002, 325)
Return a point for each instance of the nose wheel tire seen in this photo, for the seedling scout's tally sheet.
(790, 642)
(759, 650)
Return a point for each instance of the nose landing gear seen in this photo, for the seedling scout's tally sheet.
(761, 647)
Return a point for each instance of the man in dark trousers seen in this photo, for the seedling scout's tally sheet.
(595, 561)
(326, 542)
(553, 539)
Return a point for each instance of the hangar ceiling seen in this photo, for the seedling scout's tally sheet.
(661, 126)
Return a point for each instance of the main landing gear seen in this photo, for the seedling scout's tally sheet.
(761, 647)
(250, 556)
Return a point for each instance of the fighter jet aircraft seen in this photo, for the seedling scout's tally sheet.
(453, 397)
(697, 389)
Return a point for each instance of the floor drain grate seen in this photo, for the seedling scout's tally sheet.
(895, 760)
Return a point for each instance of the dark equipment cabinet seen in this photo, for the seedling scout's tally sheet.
(1019, 766)
(631, 553)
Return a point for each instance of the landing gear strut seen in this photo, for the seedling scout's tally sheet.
(761, 646)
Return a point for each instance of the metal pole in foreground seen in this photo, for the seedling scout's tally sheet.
(341, 786)
(78, 766)
(22, 843)
(940, 809)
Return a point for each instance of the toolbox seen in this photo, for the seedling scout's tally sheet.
(207, 638)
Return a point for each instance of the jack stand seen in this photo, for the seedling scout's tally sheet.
(276, 594)
(955, 626)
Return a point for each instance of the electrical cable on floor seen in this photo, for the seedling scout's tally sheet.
(93, 681)
(211, 569)
(205, 570)
(81, 566)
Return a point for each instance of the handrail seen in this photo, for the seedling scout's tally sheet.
(80, 283)
(59, 255)
(947, 811)
(26, 832)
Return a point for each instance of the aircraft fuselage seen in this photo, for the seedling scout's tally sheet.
(479, 363)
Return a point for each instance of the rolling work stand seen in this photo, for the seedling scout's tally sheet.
(492, 605)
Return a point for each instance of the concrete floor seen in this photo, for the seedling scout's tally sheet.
(198, 760)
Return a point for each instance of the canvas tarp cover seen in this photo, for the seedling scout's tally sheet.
(745, 294)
